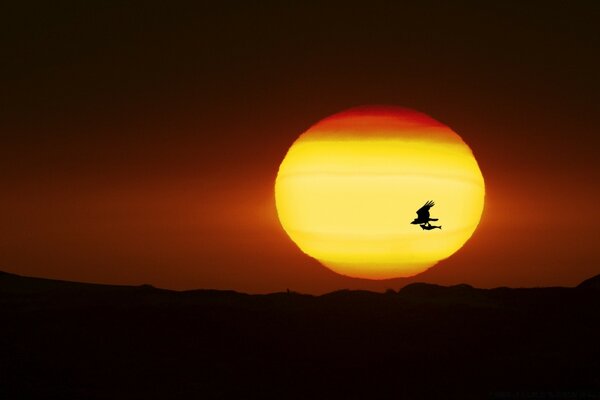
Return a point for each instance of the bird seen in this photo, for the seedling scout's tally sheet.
(423, 217)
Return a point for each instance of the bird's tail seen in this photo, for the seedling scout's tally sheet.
(433, 219)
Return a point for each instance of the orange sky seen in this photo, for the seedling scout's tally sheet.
(149, 156)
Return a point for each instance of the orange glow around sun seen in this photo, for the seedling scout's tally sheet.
(350, 185)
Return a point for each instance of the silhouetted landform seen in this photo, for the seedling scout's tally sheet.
(592, 283)
(70, 340)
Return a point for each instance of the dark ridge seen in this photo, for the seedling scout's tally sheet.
(72, 340)
(447, 295)
(13, 283)
(591, 283)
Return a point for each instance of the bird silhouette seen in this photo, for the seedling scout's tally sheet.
(423, 217)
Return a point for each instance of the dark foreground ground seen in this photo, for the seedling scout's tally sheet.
(64, 340)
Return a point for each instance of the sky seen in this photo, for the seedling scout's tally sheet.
(140, 141)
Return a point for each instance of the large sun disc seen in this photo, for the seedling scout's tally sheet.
(350, 185)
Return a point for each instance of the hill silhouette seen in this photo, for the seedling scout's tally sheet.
(592, 283)
(74, 340)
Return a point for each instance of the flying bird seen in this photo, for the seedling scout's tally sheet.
(423, 217)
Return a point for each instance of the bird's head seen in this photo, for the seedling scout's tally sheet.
(415, 221)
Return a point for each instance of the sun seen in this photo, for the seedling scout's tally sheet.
(349, 188)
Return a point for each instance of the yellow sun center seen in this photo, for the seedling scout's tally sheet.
(349, 188)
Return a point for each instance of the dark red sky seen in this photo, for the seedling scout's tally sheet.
(139, 143)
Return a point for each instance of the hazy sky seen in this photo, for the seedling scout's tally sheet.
(140, 142)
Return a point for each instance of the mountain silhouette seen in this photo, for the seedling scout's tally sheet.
(73, 340)
(592, 283)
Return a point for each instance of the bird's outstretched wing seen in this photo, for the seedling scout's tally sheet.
(423, 212)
